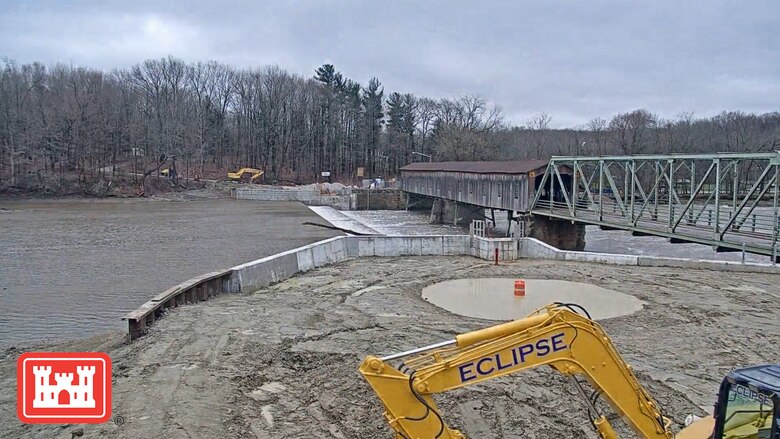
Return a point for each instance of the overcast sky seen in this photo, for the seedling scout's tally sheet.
(572, 59)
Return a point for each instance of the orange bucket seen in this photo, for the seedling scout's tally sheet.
(520, 288)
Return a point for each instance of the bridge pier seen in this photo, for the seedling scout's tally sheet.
(451, 212)
(562, 234)
(418, 202)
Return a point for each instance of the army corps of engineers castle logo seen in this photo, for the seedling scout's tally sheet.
(63, 387)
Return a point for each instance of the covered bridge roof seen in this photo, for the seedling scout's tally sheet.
(507, 167)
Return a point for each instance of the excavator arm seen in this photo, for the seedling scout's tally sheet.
(556, 336)
(256, 173)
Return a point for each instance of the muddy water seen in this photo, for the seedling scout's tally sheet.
(494, 299)
(70, 269)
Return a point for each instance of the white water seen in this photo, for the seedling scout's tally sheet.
(402, 222)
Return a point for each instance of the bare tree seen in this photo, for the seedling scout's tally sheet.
(63, 126)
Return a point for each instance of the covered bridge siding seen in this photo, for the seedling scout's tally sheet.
(509, 185)
(461, 191)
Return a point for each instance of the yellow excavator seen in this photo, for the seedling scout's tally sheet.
(564, 337)
(239, 176)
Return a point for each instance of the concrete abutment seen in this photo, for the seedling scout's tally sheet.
(559, 233)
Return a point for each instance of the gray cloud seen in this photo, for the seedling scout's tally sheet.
(574, 60)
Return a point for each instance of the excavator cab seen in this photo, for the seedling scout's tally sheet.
(749, 404)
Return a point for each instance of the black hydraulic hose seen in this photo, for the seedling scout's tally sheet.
(571, 307)
(428, 408)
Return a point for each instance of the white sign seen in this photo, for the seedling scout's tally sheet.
(325, 174)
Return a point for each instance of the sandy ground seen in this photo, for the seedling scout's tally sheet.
(282, 362)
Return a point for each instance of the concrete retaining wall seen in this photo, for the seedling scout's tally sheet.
(702, 264)
(341, 201)
(266, 271)
(412, 245)
(535, 249)
(379, 199)
(485, 248)
(261, 273)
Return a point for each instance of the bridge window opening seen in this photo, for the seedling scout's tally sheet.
(459, 187)
(471, 187)
(484, 189)
(516, 186)
(500, 189)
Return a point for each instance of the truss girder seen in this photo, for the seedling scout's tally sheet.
(733, 204)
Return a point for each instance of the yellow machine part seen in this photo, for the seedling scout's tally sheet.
(700, 429)
(256, 173)
(572, 344)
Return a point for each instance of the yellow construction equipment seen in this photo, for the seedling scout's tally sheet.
(576, 346)
(238, 176)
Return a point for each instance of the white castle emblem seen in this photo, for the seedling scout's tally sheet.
(76, 395)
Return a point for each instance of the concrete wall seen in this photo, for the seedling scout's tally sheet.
(535, 249)
(412, 245)
(261, 273)
(343, 201)
(266, 271)
(485, 248)
(379, 199)
(561, 234)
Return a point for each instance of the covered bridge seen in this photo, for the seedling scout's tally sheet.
(506, 185)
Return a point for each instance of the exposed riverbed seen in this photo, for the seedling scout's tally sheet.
(282, 362)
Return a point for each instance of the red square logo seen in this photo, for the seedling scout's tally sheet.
(63, 387)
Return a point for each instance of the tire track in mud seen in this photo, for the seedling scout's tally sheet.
(282, 362)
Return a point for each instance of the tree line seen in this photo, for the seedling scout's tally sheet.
(64, 122)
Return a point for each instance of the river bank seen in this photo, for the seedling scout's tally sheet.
(281, 362)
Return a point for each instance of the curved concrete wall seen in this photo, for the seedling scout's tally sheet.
(261, 273)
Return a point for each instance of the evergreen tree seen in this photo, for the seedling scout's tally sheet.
(373, 121)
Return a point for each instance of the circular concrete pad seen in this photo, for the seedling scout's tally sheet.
(494, 299)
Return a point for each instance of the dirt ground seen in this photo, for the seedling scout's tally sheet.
(282, 362)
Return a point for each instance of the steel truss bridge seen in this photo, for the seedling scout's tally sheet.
(728, 201)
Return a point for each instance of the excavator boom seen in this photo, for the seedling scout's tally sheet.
(555, 336)
(256, 173)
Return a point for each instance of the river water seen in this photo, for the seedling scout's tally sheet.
(398, 222)
(73, 268)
